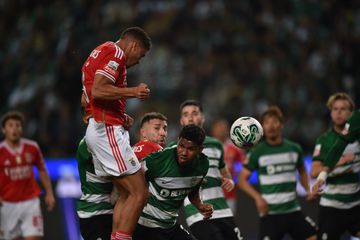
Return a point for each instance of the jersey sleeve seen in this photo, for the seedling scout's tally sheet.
(300, 160)
(320, 150)
(350, 133)
(221, 160)
(351, 130)
(148, 167)
(110, 63)
(141, 151)
(39, 159)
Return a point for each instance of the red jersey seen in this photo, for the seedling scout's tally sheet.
(108, 60)
(144, 148)
(17, 181)
(232, 155)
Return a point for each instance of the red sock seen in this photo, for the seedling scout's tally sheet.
(120, 235)
(113, 236)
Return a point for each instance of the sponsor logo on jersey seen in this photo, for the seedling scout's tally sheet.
(174, 193)
(138, 148)
(272, 169)
(95, 53)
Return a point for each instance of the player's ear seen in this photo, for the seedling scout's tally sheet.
(142, 133)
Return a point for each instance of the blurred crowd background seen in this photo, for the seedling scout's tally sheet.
(236, 57)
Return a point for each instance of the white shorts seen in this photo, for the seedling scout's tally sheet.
(21, 219)
(110, 149)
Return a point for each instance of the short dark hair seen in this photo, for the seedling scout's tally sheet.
(16, 115)
(191, 102)
(274, 111)
(193, 133)
(139, 34)
(152, 115)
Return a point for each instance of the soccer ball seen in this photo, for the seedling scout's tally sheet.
(246, 132)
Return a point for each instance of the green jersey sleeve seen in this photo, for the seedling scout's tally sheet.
(350, 133)
(300, 160)
(253, 161)
(321, 149)
(221, 160)
(148, 166)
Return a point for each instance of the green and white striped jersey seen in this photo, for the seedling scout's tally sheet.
(96, 191)
(211, 191)
(169, 184)
(342, 189)
(276, 166)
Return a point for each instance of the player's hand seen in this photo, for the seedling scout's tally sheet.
(142, 91)
(129, 121)
(311, 196)
(50, 201)
(262, 206)
(206, 210)
(318, 187)
(227, 184)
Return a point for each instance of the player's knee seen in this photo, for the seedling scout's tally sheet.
(141, 197)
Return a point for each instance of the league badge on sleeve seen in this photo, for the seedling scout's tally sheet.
(113, 65)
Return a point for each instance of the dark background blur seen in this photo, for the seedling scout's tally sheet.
(236, 57)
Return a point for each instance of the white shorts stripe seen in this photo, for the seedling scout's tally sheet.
(114, 148)
(122, 163)
(110, 148)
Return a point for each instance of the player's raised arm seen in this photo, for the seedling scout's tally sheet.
(104, 88)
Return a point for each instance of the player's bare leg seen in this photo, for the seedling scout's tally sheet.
(123, 195)
(127, 210)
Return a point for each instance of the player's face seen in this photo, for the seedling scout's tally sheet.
(12, 130)
(340, 112)
(135, 53)
(272, 127)
(155, 130)
(191, 114)
(187, 151)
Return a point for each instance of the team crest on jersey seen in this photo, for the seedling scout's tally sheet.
(113, 65)
(345, 131)
(132, 161)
